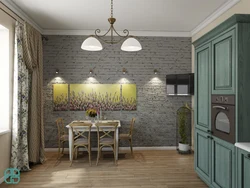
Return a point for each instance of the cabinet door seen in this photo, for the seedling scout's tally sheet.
(202, 89)
(223, 166)
(243, 169)
(223, 63)
(202, 155)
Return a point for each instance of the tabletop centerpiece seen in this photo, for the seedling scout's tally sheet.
(92, 113)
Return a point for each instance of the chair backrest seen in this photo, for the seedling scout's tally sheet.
(106, 130)
(132, 126)
(60, 127)
(79, 133)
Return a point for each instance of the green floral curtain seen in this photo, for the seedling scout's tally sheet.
(19, 152)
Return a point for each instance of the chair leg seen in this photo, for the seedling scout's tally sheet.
(131, 147)
(98, 156)
(100, 153)
(114, 151)
(74, 153)
(89, 151)
(59, 148)
(62, 147)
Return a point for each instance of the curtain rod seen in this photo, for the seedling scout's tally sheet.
(11, 12)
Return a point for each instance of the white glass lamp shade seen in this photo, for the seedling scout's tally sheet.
(91, 44)
(131, 45)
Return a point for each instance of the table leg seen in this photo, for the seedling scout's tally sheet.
(117, 142)
(70, 144)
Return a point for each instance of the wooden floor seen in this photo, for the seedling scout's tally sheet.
(148, 169)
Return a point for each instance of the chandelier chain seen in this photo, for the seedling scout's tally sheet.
(112, 9)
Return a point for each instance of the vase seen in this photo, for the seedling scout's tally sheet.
(184, 147)
(92, 119)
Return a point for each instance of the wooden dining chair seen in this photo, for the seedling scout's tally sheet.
(106, 138)
(62, 136)
(129, 135)
(80, 139)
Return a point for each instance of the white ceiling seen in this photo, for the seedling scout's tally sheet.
(134, 15)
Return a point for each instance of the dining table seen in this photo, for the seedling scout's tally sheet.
(93, 129)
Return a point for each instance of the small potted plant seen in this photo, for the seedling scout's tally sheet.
(182, 120)
(92, 113)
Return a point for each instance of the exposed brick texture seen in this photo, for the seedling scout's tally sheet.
(156, 112)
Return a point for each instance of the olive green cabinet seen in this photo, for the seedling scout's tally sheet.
(223, 63)
(223, 164)
(202, 91)
(243, 169)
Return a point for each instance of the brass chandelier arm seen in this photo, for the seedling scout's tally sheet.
(125, 31)
(99, 31)
(112, 41)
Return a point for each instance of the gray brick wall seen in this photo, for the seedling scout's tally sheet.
(156, 112)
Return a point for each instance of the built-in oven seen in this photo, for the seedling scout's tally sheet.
(223, 117)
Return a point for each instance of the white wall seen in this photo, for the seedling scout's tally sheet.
(5, 139)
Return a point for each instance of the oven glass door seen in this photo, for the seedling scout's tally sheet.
(222, 123)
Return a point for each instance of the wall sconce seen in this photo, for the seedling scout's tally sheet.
(124, 71)
(57, 71)
(90, 71)
(155, 71)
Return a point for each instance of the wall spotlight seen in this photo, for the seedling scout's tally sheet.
(124, 71)
(90, 71)
(155, 71)
(57, 71)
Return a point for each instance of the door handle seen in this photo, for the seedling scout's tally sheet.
(220, 107)
(210, 131)
(210, 137)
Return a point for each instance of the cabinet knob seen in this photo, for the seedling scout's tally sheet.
(210, 131)
(248, 155)
(210, 137)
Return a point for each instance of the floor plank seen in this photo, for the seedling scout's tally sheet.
(147, 169)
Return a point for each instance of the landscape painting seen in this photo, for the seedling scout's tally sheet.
(60, 97)
(128, 97)
(99, 96)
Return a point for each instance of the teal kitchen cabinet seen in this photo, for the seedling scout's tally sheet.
(223, 62)
(223, 164)
(214, 160)
(243, 168)
(202, 91)
(202, 155)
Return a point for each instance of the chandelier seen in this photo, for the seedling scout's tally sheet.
(130, 43)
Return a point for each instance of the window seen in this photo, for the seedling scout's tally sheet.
(5, 95)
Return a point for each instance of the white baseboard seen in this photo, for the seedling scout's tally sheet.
(1, 180)
(120, 148)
